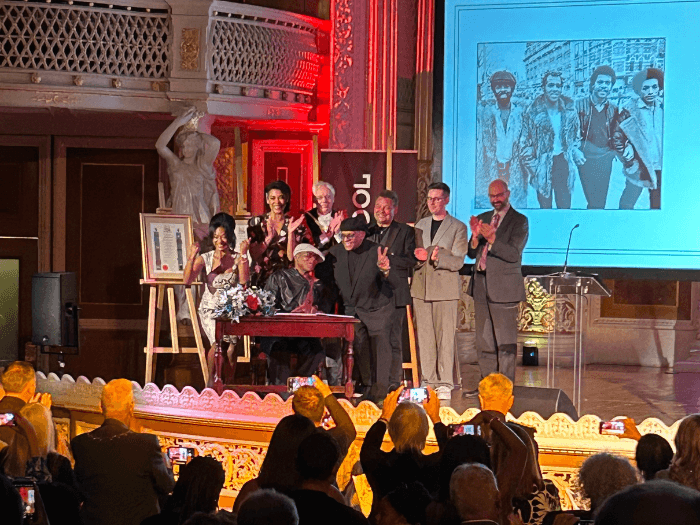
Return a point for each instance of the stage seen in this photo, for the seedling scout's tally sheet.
(236, 429)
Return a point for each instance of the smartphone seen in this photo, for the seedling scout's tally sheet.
(293, 383)
(612, 428)
(414, 395)
(180, 455)
(7, 420)
(26, 489)
(462, 429)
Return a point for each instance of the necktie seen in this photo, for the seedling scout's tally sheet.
(485, 250)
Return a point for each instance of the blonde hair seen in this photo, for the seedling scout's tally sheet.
(408, 427)
(495, 388)
(308, 402)
(117, 397)
(40, 418)
(17, 376)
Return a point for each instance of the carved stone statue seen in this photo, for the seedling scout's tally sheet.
(192, 180)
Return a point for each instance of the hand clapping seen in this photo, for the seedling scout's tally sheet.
(293, 225)
(421, 254)
(488, 231)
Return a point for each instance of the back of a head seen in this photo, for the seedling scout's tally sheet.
(268, 507)
(198, 487)
(604, 474)
(653, 454)
(410, 501)
(40, 418)
(18, 376)
(278, 469)
(658, 502)
(117, 398)
(317, 456)
(496, 393)
(685, 466)
(308, 402)
(408, 427)
(474, 492)
(457, 451)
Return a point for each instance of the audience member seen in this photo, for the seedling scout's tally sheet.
(603, 475)
(408, 428)
(496, 395)
(278, 470)
(268, 507)
(685, 466)
(475, 495)
(535, 495)
(652, 455)
(405, 505)
(311, 402)
(120, 472)
(204, 518)
(19, 382)
(11, 505)
(197, 490)
(654, 503)
(318, 500)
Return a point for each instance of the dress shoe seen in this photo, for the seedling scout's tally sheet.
(469, 394)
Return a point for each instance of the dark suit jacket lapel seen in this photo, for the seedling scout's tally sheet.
(505, 223)
(390, 236)
(365, 256)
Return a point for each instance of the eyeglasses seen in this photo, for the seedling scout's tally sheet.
(497, 195)
(436, 199)
(347, 236)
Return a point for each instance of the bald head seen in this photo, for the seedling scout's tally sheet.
(118, 400)
(474, 493)
(499, 194)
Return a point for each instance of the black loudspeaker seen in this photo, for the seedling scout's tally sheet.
(530, 355)
(55, 309)
(544, 401)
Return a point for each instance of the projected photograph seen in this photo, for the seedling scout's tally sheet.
(575, 124)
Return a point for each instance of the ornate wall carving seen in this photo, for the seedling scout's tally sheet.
(189, 49)
(343, 61)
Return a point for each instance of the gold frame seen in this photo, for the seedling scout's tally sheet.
(147, 249)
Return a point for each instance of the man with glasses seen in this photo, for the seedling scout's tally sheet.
(366, 280)
(441, 244)
(497, 243)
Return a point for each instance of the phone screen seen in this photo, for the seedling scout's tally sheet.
(464, 429)
(7, 419)
(414, 395)
(27, 493)
(614, 428)
(293, 383)
(180, 455)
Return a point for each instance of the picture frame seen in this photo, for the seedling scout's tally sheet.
(164, 242)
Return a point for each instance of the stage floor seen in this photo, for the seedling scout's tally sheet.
(613, 390)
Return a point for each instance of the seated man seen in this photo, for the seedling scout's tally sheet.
(120, 472)
(474, 493)
(311, 401)
(297, 291)
(496, 395)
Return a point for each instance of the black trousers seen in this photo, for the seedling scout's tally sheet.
(595, 180)
(372, 347)
(560, 185)
(309, 352)
(631, 194)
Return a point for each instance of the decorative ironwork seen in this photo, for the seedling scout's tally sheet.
(537, 313)
(263, 54)
(45, 36)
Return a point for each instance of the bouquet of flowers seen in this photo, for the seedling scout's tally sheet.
(234, 301)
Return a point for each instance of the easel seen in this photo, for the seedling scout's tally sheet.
(155, 316)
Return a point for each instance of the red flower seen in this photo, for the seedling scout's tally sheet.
(252, 303)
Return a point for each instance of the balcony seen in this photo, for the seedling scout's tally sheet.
(157, 55)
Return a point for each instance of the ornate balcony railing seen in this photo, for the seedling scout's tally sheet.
(145, 55)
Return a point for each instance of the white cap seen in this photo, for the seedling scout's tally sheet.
(306, 247)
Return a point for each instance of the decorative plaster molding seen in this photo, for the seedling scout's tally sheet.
(189, 49)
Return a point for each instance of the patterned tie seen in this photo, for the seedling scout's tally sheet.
(485, 250)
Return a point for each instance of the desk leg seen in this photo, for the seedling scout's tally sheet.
(349, 361)
(218, 359)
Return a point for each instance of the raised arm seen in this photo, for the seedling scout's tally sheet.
(194, 264)
(162, 142)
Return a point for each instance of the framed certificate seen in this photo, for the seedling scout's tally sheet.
(164, 242)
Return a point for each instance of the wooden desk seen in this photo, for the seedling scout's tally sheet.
(289, 325)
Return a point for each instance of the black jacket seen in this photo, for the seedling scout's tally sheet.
(120, 473)
(401, 240)
(291, 288)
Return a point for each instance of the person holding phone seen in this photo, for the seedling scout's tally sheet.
(408, 428)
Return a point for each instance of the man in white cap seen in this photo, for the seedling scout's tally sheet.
(297, 290)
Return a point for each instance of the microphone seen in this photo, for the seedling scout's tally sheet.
(566, 261)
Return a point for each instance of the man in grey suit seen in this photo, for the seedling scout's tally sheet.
(497, 243)
(441, 244)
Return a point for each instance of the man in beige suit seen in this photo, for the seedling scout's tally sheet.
(441, 245)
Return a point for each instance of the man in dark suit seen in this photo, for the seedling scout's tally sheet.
(120, 472)
(401, 241)
(497, 243)
(362, 271)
